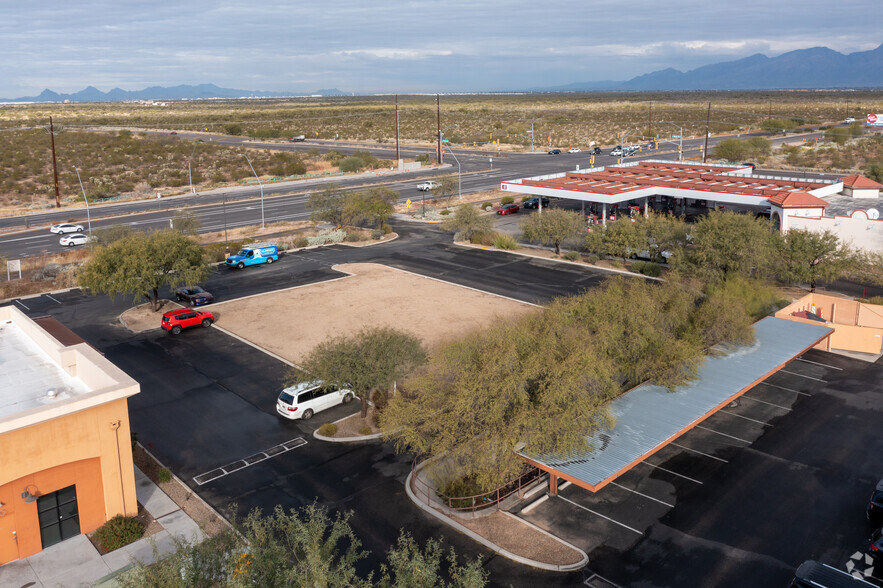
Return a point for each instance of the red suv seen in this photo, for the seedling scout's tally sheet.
(176, 321)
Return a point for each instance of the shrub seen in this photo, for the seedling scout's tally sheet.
(572, 256)
(366, 430)
(376, 234)
(592, 258)
(525, 198)
(482, 238)
(872, 300)
(164, 475)
(505, 241)
(301, 242)
(352, 237)
(486, 205)
(119, 532)
(506, 200)
(423, 158)
(648, 268)
(328, 430)
(445, 212)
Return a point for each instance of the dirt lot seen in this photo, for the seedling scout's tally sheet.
(374, 295)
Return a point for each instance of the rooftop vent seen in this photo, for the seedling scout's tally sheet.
(51, 393)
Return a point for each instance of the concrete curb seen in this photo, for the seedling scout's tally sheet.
(390, 240)
(493, 546)
(355, 439)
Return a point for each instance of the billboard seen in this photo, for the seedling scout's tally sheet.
(875, 120)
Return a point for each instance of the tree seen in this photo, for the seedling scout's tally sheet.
(662, 233)
(365, 362)
(111, 234)
(413, 567)
(623, 239)
(233, 129)
(186, 222)
(142, 263)
(380, 204)
(810, 256)
(447, 187)
(552, 227)
(467, 221)
(730, 149)
(328, 205)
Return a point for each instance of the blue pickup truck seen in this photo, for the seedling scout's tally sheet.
(254, 255)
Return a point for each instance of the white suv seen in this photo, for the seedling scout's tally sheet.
(303, 400)
(427, 186)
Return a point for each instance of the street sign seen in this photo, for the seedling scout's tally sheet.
(675, 136)
(408, 203)
(13, 265)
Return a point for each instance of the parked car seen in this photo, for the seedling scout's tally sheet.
(176, 321)
(427, 186)
(535, 202)
(875, 504)
(75, 239)
(573, 150)
(595, 151)
(195, 296)
(508, 209)
(254, 255)
(812, 574)
(62, 228)
(554, 152)
(875, 544)
(304, 400)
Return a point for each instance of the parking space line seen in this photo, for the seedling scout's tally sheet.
(671, 472)
(641, 494)
(746, 418)
(22, 304)
(52, 299)
(821, 364)
(699, 452)
(723, 434)
(258, 457)
(803, 376)
(787, 389)
(599, 514)
(765, 402)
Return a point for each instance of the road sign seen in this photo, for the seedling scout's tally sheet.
(13, 265)
(408, 203)
(675, 136)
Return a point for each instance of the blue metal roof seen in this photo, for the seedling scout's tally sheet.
(649, 416)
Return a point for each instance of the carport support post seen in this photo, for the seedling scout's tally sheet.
(646, 206)
(604, 215)
(553, 484)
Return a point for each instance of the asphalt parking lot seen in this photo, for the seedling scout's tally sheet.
(781, 476)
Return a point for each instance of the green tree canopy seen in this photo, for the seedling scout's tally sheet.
(327, 205)
(141, 263)
(552, 227)
(467, 221)
(186, 222)
(810, 256)
(447, 187)
(623, 238)
(365, 362)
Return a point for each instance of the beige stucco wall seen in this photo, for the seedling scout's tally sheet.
(857, 326)
(858, 229)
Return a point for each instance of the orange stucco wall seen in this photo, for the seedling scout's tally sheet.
(90, 449)
(857, 326)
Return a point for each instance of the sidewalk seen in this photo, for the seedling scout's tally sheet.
(76, 562)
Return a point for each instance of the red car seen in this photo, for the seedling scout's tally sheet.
(176, 321)
(508, 209)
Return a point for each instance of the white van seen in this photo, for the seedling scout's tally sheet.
(306, 399)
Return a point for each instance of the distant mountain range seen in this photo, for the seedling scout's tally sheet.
(200, 92)
(818, 67)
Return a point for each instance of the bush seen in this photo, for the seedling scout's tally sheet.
(377, 234)
(592, 258)
(506, 200)
(482, 238)
(301, 242)
(445, 212)
(525, 198)
(486, 205)
(505, 241)
(366, 430)
(353, 237)
(164, 475)
(872, 300)
(423, 158)
(119, 532)
(351, 164)
(648, 268)
(328, 429)
(572, 256)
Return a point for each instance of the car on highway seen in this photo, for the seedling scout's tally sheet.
(304, 400)
(75, 239)
(616, 151)
(535, 202)
(427, 186)
(595, 151)
(508, 209)
(194, 295)
(62, 228)
(554, 152)
(574, 150)
(875, 504)
(176, 321)
(849, 120)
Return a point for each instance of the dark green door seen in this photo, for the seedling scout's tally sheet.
(59, 517)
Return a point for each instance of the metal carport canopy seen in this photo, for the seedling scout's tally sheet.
(648, 417)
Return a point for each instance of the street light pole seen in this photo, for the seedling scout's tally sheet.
(259, 183)
(86, 200)
(459, 174)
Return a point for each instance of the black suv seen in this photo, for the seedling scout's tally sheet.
(554, 152)
(875, 504)
(535, 202)
(595, 151)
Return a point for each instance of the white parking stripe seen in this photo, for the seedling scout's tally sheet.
(699, 452)
(599, 514)
(22, 304)
(803, 376)
(671, 472)
(240, 464)
(784, 388)
(52, 299)
(745, 417)
(724, 434)
(765, 402)
(641, 494)
(821, 364)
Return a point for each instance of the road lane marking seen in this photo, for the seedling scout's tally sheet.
(239, 464)
(821, 364)
(699, 452)
(599, 514)
(642, 494)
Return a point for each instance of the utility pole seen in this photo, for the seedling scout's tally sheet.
(54, 164)
(397, 129)
(707, 123)
(438, 153)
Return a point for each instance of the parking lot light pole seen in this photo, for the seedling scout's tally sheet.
(261, 185)
(86, 200)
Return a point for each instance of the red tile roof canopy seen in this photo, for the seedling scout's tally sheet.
(860, 182)
(797, 200)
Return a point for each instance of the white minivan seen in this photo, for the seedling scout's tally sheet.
(304, 400)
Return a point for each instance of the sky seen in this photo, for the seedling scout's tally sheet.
(392, 46)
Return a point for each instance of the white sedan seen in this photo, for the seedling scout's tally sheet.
(427, 186)
(75, 239)
(62, 228)
(573, 150)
